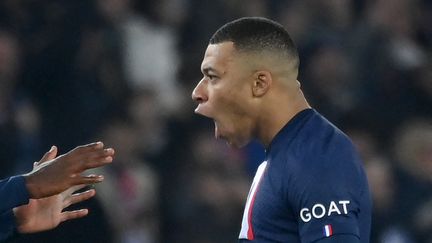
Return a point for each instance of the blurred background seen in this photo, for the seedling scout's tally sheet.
(122, 71)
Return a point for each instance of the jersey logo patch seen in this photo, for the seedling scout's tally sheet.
(328, 230)
(320, 210)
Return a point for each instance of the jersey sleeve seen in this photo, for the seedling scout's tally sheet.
(13, 193)
(326, 196)
(7, 225)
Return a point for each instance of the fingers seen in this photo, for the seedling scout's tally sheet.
(76, 198)
(64, 171)
(88, 148)
(83, 151)
(89, 179)
(73, 189)
(68, 215)
(98, 159)
(90, 156)
(103, 153)
(79, 197)
(51, 154)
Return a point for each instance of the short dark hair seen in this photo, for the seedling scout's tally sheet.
(257, 34)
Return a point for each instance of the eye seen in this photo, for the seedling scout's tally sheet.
(211, 77)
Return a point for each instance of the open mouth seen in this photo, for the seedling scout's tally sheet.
(217, 132)
(199, 111)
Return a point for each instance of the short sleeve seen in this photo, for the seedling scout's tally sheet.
(327, 201)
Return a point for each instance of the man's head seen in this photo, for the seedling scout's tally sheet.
(258, 35)
(249, 64)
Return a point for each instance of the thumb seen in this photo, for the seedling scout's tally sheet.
(51, 154)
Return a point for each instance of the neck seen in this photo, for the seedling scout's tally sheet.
(278, 115)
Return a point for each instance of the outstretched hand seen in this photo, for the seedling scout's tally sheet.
(47, 213)
(52, 175)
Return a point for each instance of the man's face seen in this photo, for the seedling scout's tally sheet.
(224, 94)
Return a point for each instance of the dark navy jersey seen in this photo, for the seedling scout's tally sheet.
(13, 193)
(311, 186)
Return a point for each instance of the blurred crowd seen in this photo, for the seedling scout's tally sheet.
(122, 71)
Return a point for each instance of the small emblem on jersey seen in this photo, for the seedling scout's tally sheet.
(328, 230)
(320, 210)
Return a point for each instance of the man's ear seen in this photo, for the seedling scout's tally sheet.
(261, 84)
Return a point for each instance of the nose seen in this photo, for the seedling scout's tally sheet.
(199, 94)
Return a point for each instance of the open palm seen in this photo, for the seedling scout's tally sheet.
(47, 213)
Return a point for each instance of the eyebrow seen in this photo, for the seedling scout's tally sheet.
(207, 70)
